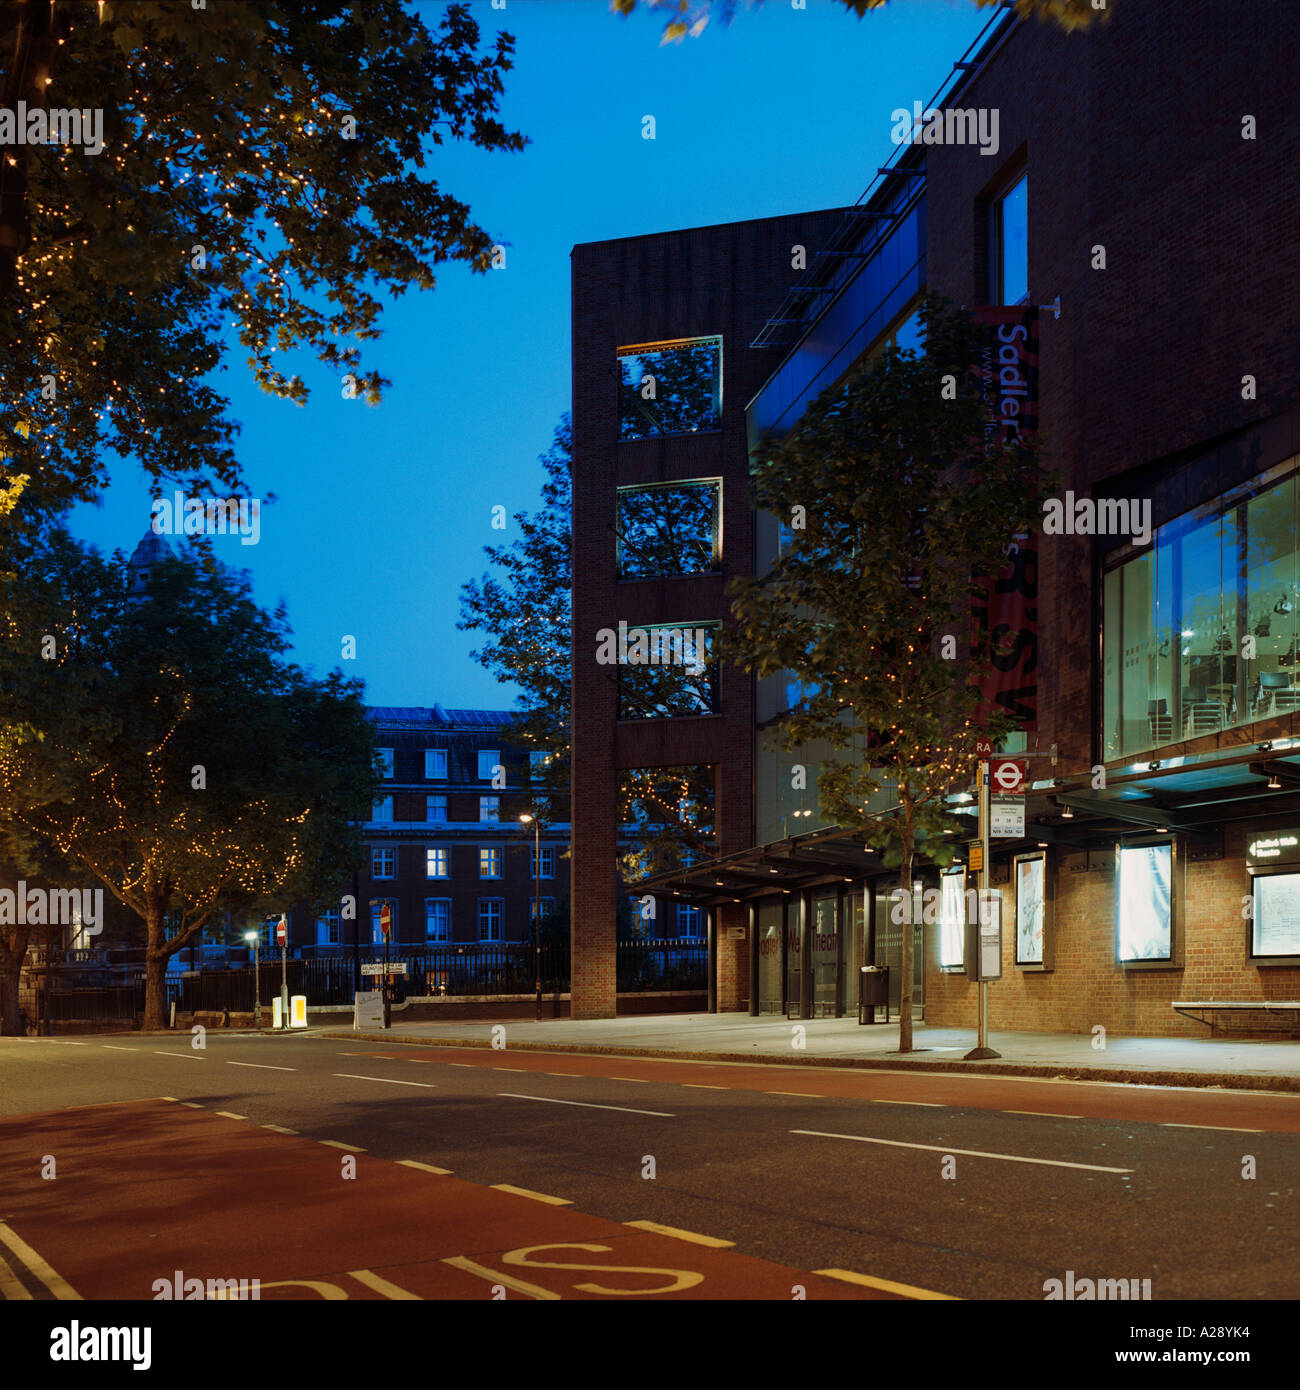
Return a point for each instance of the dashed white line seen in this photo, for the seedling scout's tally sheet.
(588, 1105)
(424, 1167)
(230, 1115)
(387, 1080)
(114, 1047)
(1234, 1129)
(189, 1055)
(335, 1144)
(1043, 1114)
(280, 1129)
(803, 1095)
(969, 1153)
(928, 1104)
(261, 1066)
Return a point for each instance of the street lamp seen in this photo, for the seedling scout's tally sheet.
(537, 905)
(256, 938)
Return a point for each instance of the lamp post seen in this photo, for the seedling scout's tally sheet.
(256, 938)
(537, 905)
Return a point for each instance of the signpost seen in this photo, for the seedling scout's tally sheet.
(377, 967)
(982, 1050)
(386, 926)
(282, 940)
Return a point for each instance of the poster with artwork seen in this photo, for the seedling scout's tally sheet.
(1030, 909)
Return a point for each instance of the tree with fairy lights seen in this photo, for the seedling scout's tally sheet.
(262, 175)
(896, 489)
(158, 742)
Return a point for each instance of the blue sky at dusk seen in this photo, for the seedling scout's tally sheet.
(382, 513)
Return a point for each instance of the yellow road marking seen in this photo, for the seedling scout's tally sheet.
(383, 1286)
(193, 1104)
(34, 1264)
(527, 1192)
(230, 1115)
(640, 1080)
(424, 1167)
(12, 1290)
(280, 1129)
(564, 1073)
(885, 1285)
(700, 1086)
(929, 1104)
(806, 1095)
(334, 1144)
(495, 1277)
(654, 1226)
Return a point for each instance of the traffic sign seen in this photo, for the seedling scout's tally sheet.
(983, 748)
(1007, 817)
(1008, 775)
(281, 931)
(397, 967)
(976, 856)
(385, 920)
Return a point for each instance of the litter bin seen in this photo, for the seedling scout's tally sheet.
(873, 989)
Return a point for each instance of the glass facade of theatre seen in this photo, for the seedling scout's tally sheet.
(1201, 630)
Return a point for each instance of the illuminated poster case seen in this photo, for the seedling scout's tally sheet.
(1273, 932)
(1035, 928)
(1149, 904)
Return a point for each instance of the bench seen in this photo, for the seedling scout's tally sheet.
(1269, 1016)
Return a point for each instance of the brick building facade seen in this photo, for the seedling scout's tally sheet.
(1159, 870)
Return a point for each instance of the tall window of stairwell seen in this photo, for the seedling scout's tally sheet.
(1009, 244)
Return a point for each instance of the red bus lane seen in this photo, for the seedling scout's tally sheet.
(1132, 1103)
(151, 1197)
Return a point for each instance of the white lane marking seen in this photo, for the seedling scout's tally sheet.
(563, 1073)
(700, 1086)
(387, 1080)
(678, 1234)
(335, 1144)
(520, 1070)
(261, 1066)
(1043, 1114)
(587, 1105)
(280, 1129)
(230, 1115)
(423, 1167)
(193, 1104)
(803, 1095)
(970, 1153)
(929, 1104)
(113, 1047)
(469, 1065)
(189, 1055)
(640, 1080)
(1235, 1129)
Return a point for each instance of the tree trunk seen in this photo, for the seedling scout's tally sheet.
(155, 966)
(13, 951)
(9, 1023)
(909, 929)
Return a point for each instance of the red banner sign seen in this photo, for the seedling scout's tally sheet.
(1008, 613)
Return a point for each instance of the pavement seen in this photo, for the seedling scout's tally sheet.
(1232, 1063)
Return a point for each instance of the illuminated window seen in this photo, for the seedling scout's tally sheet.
(669, 529)
(489, 862)
(437, 863)
(670, 388)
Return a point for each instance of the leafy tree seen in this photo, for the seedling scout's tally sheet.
(909, 491)
(523, 609)
(160, 744)
(264, 165)
(690, 18)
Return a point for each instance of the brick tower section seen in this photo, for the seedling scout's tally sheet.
(695, 283)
